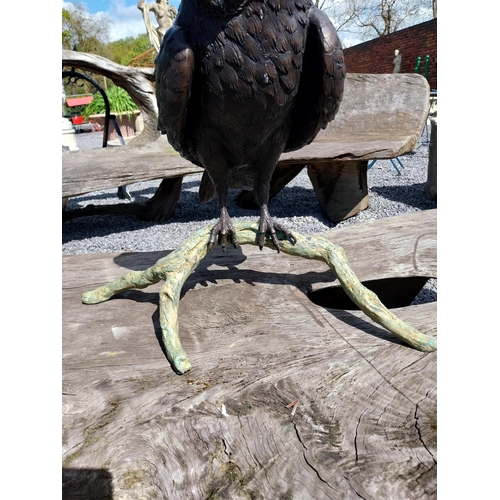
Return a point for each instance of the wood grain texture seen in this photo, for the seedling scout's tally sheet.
(365, 422)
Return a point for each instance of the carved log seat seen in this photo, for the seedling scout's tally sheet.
(381, 117)
(286, 398)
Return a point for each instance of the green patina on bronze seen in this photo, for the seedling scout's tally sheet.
(175, 268)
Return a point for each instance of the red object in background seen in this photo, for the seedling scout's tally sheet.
(79, 101)
(96, 126)
(77, 120)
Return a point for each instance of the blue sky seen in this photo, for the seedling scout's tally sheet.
(124, 14)
(127, 18)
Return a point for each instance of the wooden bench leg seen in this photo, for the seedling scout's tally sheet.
(162, 205)
(158, 209)
(341, 187)
(431, 184)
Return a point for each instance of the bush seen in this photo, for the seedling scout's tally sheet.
(119, 102)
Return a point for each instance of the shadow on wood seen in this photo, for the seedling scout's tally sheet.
(392, 292)
(87, 483)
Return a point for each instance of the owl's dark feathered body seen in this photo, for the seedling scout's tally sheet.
(239, 82)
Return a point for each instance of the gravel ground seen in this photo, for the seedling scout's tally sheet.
(295, 206)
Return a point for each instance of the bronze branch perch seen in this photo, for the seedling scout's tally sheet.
(175, 268)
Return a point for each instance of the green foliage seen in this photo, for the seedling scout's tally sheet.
(124, 50)
(73, 110)
(66, 32)
(90, 33)
(119, 102)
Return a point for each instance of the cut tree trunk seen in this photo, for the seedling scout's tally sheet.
(341, 187)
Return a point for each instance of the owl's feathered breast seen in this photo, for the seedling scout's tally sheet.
(254, 57)
(232, 84)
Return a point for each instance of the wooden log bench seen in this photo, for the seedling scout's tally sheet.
(286, 398)
(381, 117)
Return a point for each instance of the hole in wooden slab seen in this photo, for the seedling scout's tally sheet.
(392, 292)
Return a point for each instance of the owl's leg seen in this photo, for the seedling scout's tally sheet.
(224, 230)
(266, 223)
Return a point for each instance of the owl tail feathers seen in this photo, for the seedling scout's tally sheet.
(207, 189)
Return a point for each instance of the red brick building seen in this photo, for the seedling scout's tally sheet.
(377, 56)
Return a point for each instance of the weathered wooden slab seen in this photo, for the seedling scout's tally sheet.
(88, 171)
(365, 422)
(381, 116)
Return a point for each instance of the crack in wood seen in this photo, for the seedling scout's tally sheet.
(224, 444)
(386, 406)
(165, 417)
(352, 487)
(356, 435)
(200, 438)
(417, 427)
(305, 457)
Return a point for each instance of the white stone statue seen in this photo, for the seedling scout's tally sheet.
(397, 61)
(165, 15)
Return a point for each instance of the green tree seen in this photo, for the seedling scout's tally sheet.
(124, 50)
(88, 32)
(66, 32)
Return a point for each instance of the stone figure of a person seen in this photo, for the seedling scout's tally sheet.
(397, 61)
(164, 14)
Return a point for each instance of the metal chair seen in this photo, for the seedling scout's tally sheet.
(370, 165)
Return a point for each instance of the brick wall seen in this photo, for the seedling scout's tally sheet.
(376, 56)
